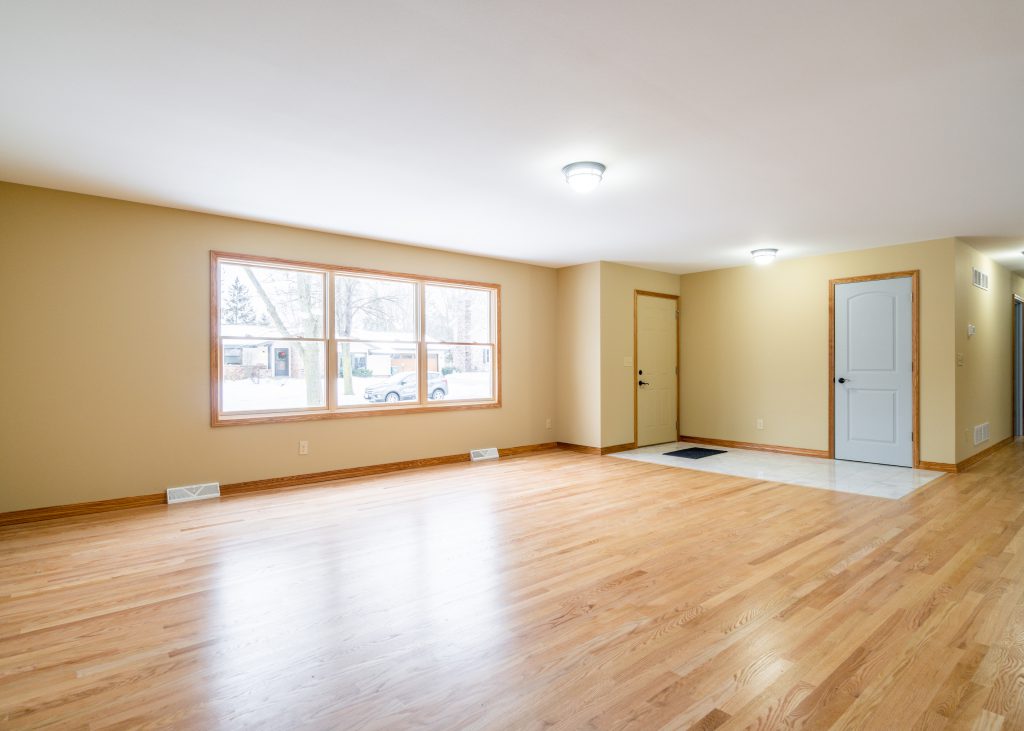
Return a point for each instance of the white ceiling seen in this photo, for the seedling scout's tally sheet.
(814, 126)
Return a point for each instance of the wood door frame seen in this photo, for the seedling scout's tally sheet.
(637, 294)
(1014, 299)
(915, 346)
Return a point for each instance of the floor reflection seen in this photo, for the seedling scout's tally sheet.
(356, 595)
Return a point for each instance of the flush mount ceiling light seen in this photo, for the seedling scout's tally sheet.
(583, 177)
(764, 256)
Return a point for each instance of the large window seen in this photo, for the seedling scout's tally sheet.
(293, 340)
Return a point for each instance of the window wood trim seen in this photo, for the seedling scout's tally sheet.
(329, 411)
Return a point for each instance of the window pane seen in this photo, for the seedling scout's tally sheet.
(260, 302)
(268, 374)
(377, 373)
(458, 314)
(461, 372)
(374, 309)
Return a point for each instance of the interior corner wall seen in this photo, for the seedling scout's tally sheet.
(754, 343)
(578, 355)
(104, 307)
(618, 283)
(984, 386)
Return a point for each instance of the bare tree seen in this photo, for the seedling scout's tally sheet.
(308, 315)
(451, 317)
(353, 298)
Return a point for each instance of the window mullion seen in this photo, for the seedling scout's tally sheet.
(421, 392)
(330, 345)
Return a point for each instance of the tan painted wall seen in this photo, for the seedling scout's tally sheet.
(104, 308)
(984, 389)
(754, 342)
(578, 355)
(618, 282)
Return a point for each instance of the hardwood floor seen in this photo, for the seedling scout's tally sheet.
(552, 591)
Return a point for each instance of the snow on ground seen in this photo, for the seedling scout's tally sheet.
(290, 393)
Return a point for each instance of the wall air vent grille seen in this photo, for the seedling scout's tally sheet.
(980, 279)
(192, 492)
(478, 455)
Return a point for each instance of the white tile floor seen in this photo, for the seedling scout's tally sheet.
(859, 478)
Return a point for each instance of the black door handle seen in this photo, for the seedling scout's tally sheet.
(842, 380)
(644, 383)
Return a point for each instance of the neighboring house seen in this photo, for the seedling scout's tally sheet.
(282, 359)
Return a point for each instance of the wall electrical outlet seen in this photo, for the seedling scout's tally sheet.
(759, 422)
(547, 423)
(303, 447)
(959, 359)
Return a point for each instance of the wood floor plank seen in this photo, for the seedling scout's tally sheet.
(556, 590)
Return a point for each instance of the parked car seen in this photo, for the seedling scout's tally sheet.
(402, 387)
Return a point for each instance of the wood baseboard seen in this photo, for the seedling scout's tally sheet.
(618, 448)
(34, 515)
(582, 449)
(975, 458)
(526, 449)
(312, 478)
(938, 466)
(758, 447)
(578, 448)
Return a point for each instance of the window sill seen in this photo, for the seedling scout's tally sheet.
(361, 412)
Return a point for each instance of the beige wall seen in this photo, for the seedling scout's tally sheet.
(595, 333)
(618, 282)
(754, 343)
(105, 319)
(105, 312)
(578, 355)
(984, 389)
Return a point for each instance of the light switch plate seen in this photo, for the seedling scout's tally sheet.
(627, 361)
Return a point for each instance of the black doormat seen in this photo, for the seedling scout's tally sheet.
(694, 452)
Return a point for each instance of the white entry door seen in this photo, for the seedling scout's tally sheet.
(657, 383)
(874, 404)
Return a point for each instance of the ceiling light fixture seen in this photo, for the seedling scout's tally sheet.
(764, 256)
(583, 177)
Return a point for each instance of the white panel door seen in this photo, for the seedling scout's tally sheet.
(874, 371)
(657, 384)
